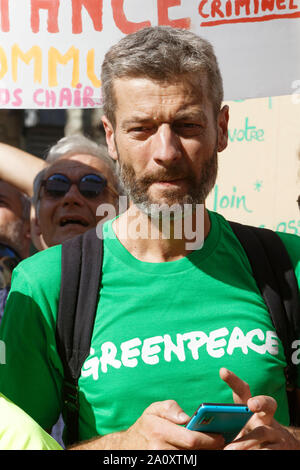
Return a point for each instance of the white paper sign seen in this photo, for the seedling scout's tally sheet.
(259, 172)
(51, 50)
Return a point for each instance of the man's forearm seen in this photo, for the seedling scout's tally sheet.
(19, 168)
(114, 441)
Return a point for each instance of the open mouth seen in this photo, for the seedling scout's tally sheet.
(72, 221)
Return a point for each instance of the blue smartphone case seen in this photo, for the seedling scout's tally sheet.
(225, 419)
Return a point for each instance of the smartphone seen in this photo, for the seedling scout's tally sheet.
(221, 418)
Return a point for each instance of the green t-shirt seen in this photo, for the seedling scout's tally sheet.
(19, 432)
(162, 331)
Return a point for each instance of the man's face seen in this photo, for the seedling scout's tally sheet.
(14, 231)
(62, 218)
(166, 139)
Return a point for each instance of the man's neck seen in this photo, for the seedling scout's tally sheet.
(153, 241)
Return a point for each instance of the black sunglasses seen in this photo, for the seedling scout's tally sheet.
(298, 200)
(90, 186)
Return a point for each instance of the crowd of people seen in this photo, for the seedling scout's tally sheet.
(174, 326)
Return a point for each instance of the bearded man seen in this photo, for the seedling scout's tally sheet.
(172, 321)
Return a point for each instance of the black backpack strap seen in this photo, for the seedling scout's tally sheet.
(275, 277)
(81, 271)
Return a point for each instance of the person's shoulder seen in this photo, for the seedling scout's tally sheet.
(47, 258)
(290, 240)
(292, 244)
(44, 265)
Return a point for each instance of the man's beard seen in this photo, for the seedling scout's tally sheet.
(197, 192)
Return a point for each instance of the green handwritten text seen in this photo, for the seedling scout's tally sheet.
(232, 201)
(246, 133)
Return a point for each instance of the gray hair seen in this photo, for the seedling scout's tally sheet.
(160, 53)
(68, 146)
(75, 144)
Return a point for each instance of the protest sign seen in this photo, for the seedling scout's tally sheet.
(259, 173)
(51, 50)
(51, 53)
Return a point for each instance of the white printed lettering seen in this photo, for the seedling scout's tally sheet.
(108, 356)
(135, 351)
(91, 367)
(177, 349)
(196, 340)
(237, 340)
(215, 347)
(130, 352)
(272, 343)
(151, 349)
(260, 349)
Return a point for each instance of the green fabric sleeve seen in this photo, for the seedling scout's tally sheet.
(31, 373)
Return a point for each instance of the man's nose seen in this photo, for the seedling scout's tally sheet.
(73, 195)
(167, 145)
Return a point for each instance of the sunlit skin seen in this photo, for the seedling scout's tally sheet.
(161, 131)
(163, 128)
(73, 206)
(10, 214)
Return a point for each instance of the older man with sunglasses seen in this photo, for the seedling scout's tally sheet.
(32, 173)
(68, 192)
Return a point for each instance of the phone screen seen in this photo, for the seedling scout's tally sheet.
(220, 418)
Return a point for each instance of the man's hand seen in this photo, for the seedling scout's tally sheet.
(160, 427)
(262, 430)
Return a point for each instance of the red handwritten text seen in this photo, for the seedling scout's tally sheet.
(211, 13)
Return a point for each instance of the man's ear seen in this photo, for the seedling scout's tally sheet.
(222, 128)
(110, 138)
(34, 223)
